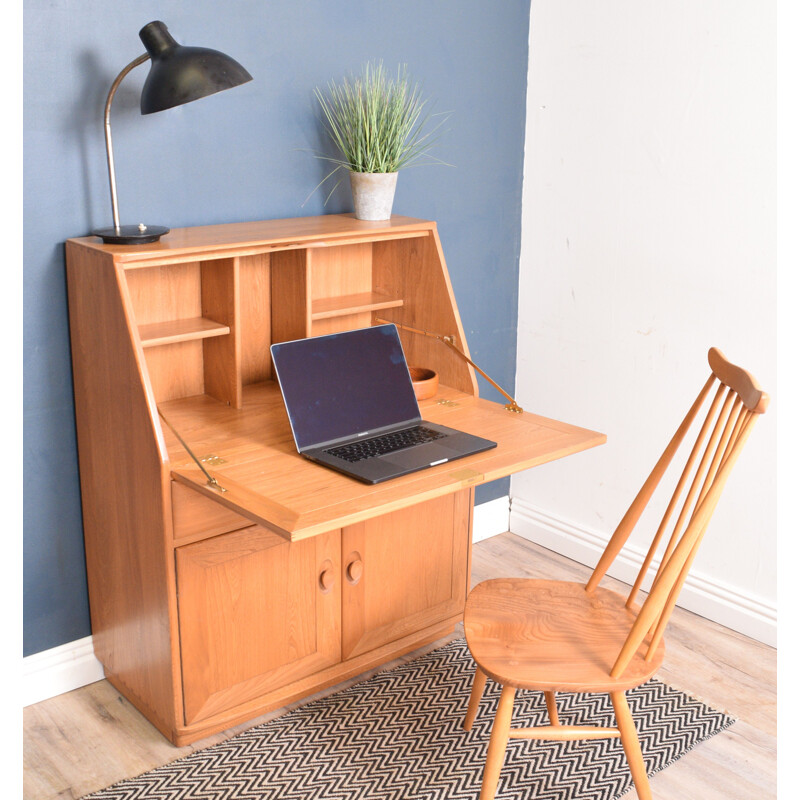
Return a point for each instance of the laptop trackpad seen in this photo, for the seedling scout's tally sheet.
(423, 455)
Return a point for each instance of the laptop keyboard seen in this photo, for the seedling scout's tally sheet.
(388, 443)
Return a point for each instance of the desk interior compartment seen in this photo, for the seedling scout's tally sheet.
(186, 318)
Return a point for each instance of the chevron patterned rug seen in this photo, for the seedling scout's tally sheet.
(398, 736)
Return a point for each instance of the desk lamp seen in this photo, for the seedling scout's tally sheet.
(178, 75)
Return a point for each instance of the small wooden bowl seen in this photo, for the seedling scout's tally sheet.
(425, 382)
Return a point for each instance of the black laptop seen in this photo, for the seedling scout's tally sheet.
(352, 407)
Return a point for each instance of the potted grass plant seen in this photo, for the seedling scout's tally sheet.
(379, 125)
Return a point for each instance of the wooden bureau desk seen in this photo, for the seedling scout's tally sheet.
(211, 604)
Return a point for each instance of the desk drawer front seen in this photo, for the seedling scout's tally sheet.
(195, 517)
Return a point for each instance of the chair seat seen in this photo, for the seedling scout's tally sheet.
(553, 636)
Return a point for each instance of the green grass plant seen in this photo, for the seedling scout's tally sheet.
(378, 123)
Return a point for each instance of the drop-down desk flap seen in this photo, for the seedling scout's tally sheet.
(251, 455)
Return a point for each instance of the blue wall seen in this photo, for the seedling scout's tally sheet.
(244, 155)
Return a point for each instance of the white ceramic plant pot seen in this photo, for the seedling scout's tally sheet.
(373, 194)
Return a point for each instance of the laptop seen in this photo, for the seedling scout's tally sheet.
(352, 407)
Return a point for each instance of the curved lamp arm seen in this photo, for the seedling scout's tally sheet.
(107, 121)
(178, 75)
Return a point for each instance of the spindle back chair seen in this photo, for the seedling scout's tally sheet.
(554, 636)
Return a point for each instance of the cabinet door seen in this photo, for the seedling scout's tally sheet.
(404, 571)
(256, 613)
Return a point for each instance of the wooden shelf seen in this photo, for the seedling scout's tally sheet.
(180, 330)
(328, 307)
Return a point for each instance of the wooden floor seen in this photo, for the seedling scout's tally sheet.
(88, 739)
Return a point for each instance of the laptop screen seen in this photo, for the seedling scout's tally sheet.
(344, 384)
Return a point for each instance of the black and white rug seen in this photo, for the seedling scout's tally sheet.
(398, 736)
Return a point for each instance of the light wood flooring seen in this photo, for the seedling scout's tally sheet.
(89, 738)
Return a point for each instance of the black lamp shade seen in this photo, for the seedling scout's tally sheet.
(181, 74)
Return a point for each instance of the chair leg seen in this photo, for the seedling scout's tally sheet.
(630, 743)
(497, 743)
(552, 708)
(478, 682)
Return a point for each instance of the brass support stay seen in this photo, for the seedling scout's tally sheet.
(212, 482)
(450, 341)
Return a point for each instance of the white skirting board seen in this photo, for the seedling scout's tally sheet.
(59, 670)
(711, 599)
(73, 664)
(489, 519)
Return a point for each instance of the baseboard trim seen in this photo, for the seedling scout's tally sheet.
(61, 669)
(490, 519)
(711, 599)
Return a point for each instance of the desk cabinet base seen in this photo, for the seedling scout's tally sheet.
(264, 621)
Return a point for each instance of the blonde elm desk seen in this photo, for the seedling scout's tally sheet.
(209, 608)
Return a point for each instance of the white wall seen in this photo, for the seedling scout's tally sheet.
(649, 235)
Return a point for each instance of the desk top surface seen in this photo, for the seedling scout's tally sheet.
(267, 481)
(298, 232)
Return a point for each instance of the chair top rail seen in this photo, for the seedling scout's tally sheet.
(738, 379)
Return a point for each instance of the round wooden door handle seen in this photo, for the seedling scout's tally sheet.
(355, 569)
(327, 579)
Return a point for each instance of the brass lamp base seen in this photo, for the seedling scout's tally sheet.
(131, 234)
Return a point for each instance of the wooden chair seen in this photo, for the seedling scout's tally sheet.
(555, 636)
